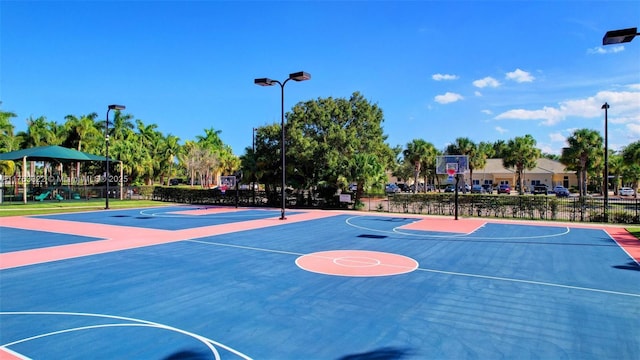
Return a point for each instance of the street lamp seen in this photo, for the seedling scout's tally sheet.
(619, 36)
(106, 138)
(612, 37)
(606, 162)
(297, 76)
(253, 176)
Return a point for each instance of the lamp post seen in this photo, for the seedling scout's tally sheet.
(612, 37)
(606, 162)
(297, 76)
(253, 176)
(106, 156)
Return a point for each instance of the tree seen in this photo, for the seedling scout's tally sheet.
(367, 172)
(631, 158)
(417, 153)
(500, 149)
(522, 155)
(81, 134)
(170, 150)
(323, 135)
(583, 154)
(464, 146)
(7, 140)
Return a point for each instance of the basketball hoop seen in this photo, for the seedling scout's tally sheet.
(452, 169)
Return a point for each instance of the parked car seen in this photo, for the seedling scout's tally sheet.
(540, 189)
(450, 188)
(477, 189)
(504, 189)
(488, 188)
(626, 191)
(391, 189)
(404, 187)
(561, 191)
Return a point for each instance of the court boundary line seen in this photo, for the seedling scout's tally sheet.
(132, 321)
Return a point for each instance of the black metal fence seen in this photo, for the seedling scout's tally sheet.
(77, 192)
(531, 207)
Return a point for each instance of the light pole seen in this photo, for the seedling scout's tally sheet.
(297, 76)
(253, 176)
(610, 38)
(606, 162)
(106, 156)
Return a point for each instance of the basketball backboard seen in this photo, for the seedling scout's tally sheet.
(452, 164)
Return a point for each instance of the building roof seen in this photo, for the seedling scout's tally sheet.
(543, 166)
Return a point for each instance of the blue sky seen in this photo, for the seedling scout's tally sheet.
(487, 70)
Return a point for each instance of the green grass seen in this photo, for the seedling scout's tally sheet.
(635, 231)
(51, 207)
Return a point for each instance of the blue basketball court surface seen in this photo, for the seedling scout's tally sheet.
(235, 284)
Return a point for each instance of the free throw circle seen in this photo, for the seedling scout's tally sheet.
(361, 263)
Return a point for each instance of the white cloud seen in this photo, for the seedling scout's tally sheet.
(623, 108)
(607, 50)
(448, 98)
(547, 149)
(440, 77)
(488, 112)
(634, 130)
(488, 81)
(501, 130)
(557, 137)
(520, 76)
(548, 115)
(477, 93)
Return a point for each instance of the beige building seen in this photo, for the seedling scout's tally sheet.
(547, 172)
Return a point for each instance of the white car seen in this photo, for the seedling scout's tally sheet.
(626, 191)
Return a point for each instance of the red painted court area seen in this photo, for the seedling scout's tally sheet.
(356, 263)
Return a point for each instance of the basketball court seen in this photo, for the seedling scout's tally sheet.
(188, 282)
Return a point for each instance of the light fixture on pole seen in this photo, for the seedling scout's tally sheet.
(619, 36)
(605, 107)
(253, 171)
(297, 76)
(106, 140)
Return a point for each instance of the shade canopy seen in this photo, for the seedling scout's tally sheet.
(51, 153)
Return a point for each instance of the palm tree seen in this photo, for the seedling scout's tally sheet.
(464, 146)
(368, 171)
(80, 133)
(631, 158)
(171, 148)
(522, 154)
(122, 127)
(7, 140)
(417, 152)
(583, 154)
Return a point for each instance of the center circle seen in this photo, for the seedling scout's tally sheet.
(358, 263)
(353, 261)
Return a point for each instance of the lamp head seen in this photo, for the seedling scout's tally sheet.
(117, 107)
(264, 82)
(619, 36)
(300, 76)
(605, 106)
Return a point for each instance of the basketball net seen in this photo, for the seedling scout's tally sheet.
(452, 169)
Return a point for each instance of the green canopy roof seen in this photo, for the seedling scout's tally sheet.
(51, 153)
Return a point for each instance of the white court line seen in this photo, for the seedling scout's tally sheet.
(457, 236)
(220, 215)
(531, 282)
(134, 321)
